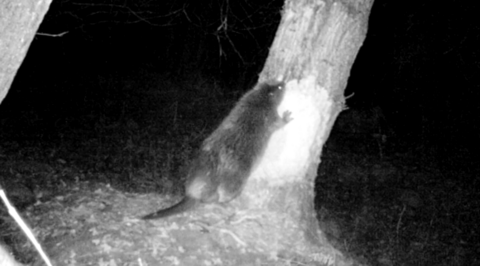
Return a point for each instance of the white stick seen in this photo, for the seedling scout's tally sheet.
(13, 212)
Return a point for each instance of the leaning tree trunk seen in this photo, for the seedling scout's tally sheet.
(274, 222)
(19, 21)
(313, 51)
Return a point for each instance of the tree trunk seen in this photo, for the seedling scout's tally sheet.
(313, 51)
(19, 21)
(274, 222)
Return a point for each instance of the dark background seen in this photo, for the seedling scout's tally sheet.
(124, 91)
(120, 61)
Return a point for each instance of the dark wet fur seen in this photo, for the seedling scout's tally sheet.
(227, 157)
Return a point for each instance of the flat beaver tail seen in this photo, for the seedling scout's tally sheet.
(185, 204)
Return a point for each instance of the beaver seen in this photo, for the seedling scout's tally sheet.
(225, 160)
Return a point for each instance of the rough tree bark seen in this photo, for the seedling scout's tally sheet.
(274, 222)
(19, 21)
(313, 51)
